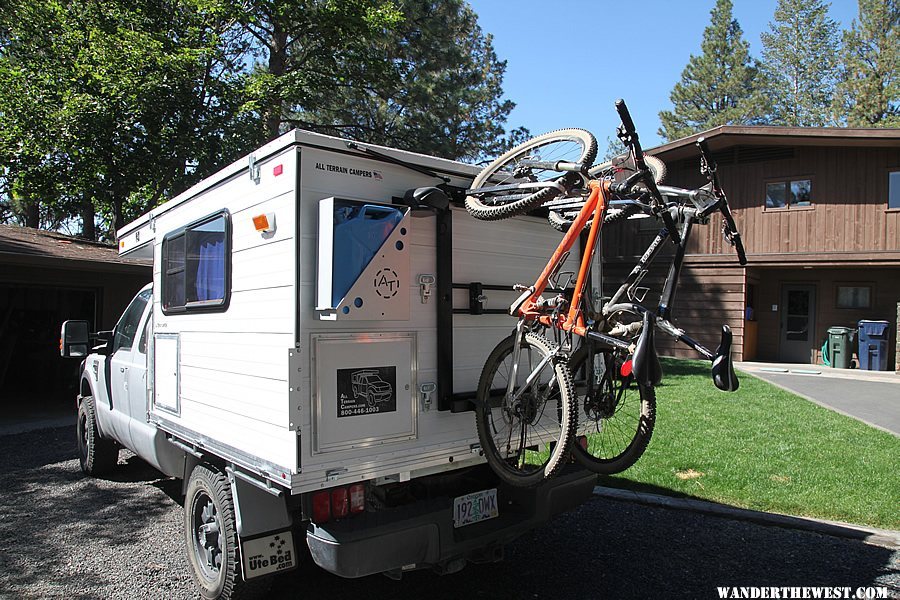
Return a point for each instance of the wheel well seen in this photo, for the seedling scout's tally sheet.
(85, 387)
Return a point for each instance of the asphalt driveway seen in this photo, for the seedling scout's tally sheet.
(871, 397)
(64, 535)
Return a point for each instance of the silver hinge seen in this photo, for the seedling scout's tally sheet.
(254, 168)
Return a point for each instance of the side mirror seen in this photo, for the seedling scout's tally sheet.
(74, 339)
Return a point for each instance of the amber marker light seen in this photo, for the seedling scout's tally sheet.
(264, 223)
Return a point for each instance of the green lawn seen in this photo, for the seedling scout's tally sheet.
(766, 449)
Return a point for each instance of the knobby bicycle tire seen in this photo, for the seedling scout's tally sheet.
(615, 422)
(527, 442)
(572, 145)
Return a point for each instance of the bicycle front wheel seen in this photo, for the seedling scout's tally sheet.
(570, 145)
(615, 416)
(525, 435)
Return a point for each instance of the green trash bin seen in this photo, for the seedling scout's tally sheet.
(840, 348)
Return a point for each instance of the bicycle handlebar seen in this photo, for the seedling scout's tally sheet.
(625, 116)
(630, 138)
(730, 231)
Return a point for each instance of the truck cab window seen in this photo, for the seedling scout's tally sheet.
(127, 327)
(195, 262)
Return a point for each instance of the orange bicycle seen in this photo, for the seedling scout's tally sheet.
(533, 391)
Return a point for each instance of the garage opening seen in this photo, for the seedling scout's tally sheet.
(34, 379)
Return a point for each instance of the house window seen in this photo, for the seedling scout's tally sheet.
(785, 194)
(854, 296)
(894, 189)
(195, 263)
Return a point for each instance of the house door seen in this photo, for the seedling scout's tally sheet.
(798, 320)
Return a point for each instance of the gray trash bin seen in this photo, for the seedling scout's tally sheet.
(840, 349)
(873, 345)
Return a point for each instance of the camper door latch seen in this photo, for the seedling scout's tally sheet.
(254, 168)
(334, 474)
(427, 389)
(426, 282)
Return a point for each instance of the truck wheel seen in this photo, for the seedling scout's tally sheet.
(370, 399)
(95, 454)
(211, 534)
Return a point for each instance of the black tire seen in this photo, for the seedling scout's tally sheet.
(572, 145)
(544, 411)
(95, 454)
(615, 415)
(211, 534)
(561, 220)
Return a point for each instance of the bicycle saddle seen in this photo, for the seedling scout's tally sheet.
(722, 367)
(647, 370)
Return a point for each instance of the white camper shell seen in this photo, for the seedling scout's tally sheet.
(311, 326)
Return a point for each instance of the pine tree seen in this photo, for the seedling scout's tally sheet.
(800, 62)
(719, 87)
(868, 93)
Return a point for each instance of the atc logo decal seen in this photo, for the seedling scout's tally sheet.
(387, 283)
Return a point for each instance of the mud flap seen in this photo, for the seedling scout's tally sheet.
(722, 368)
(647, 370)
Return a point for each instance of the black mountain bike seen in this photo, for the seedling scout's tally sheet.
(528, 411)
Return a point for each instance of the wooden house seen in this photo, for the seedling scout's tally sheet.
(819, 212)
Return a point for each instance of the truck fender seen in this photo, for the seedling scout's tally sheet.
(258, 508)
(86, 389)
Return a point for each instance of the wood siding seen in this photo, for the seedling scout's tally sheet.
(707, 298)
(848, 214)
(885, 292)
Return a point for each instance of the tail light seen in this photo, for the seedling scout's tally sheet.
(321, 507)
(337, 503)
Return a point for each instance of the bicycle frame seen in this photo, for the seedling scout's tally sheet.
(533, 309)
(667, 298)
(573, 320)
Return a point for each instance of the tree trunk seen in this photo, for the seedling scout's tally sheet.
(88, 231)
(277, 65)
(33, 214)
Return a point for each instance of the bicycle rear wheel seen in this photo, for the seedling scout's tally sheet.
(615, 415)
(525, 440)
(570, 145)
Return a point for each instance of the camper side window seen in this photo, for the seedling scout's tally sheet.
(195, 266)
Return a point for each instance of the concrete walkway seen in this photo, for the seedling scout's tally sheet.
(872, 397)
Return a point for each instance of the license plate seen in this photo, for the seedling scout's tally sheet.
(476, 507)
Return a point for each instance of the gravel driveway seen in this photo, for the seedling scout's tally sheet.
(63, 535)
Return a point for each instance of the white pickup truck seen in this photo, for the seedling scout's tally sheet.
(305, 358)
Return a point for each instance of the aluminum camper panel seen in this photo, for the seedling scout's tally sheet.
(233, 364)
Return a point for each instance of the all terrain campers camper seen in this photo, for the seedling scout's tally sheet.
(304, 360)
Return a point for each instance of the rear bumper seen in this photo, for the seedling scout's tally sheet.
(422, 535)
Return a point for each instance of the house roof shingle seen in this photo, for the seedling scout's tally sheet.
(25, 244)
(725, 136)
